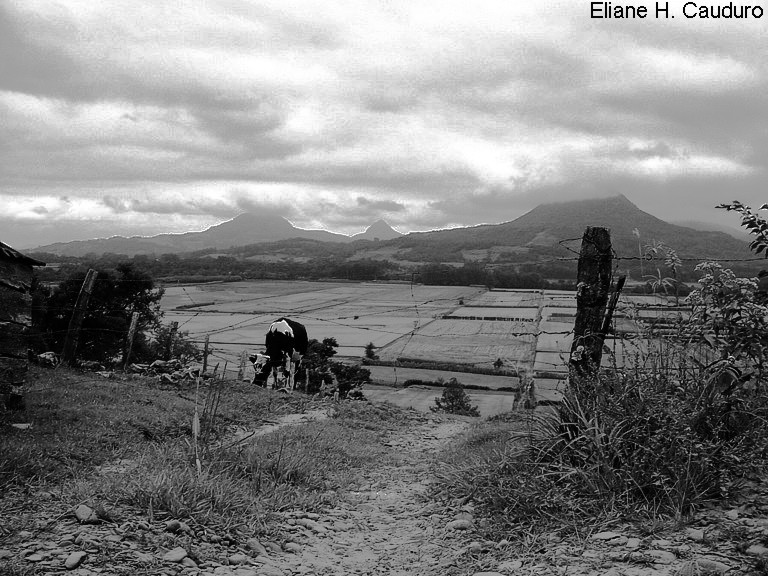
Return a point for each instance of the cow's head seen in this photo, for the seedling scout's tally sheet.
(262, 364)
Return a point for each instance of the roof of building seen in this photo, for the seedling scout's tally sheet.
(8, 253)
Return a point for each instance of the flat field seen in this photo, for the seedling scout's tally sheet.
(528, 330)
(236, 315)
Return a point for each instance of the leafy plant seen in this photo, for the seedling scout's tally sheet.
(455, 401)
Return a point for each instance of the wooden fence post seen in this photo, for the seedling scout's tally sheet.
(241, 369)
(206, 352)
(171, 340)
(593, 283)
(131, 334)
(75, 323)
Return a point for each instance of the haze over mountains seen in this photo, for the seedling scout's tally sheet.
(543, 230)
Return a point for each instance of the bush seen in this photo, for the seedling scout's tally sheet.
(455, 401)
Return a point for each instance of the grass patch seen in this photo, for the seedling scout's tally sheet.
(637, 444)
(80, 422)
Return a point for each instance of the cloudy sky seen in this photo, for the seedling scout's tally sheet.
(148, 116)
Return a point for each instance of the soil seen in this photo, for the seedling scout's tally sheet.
(388, 525)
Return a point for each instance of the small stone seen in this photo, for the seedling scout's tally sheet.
(272, 546)
(74, 560)
(144, 557)
(268, 570)
(732, 514)
(188, 562)
(757, 550)
(292, 547)
(5, 554)
(176, 555)
(488, 574)
(173, 526)
(695, 534)
(620, 541)
(502, 544)
(255, 546)
(248, 572)
(708, 565)
(633, 543)
(475, 547)
(238, 559)
(35, 557)
(86, 515)
(510, 565)
(458, 525)
(605, 536)
(25, 534)
(660, 543)
(661, 556)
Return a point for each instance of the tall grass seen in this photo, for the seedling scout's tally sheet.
(636, 443)
(80, 422)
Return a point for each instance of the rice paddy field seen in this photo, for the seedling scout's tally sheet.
(470, 327)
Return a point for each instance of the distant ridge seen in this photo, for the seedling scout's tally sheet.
(379, 230)
(542, 231)
(244, 229)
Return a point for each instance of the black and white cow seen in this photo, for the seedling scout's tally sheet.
(286, 344)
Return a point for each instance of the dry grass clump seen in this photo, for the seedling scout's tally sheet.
(161, 455)
(638, 444)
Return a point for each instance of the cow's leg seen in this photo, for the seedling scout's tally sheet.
(291, 374)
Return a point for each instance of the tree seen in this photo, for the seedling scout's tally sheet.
(455, 401)
(370, 351)
(116, 295)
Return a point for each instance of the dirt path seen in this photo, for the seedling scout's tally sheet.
(387, 526)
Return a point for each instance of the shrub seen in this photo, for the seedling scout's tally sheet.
(455, 401)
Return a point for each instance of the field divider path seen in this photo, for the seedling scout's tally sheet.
(388, 525)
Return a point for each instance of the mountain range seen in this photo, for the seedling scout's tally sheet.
(549, 229)
(245, 229)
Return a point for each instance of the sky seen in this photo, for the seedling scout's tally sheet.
(148, 116)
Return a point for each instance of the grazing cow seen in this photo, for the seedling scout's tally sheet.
(286, 344)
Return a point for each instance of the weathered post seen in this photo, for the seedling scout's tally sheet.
(131, 335)
(593, 283)
(241, 368)
(78, 314)
(205, 352)
(171, 340)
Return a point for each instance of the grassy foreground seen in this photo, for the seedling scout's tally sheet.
(129, 443)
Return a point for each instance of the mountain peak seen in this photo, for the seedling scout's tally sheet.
(379, 230)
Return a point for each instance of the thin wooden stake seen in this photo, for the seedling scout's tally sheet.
(76, 322)
(131, 335)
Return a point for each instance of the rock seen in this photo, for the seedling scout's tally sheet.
(86, 515)
(510, 565)
(176, 555)
(488, 574)
(459, 525)
(25, 534)
(249, 572)
(605, 536)
(272, 547)
(695, 534)
(74, 560)
(475, 548)
(5, 554)
(757, 550)
(35, 557)
(620, 541)
(732, 514)
(661, 556)
(255, 546)
(188, 562)
(292, 547)
(633, 543)
(143, 557)
(709, 566)
(238, 559)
